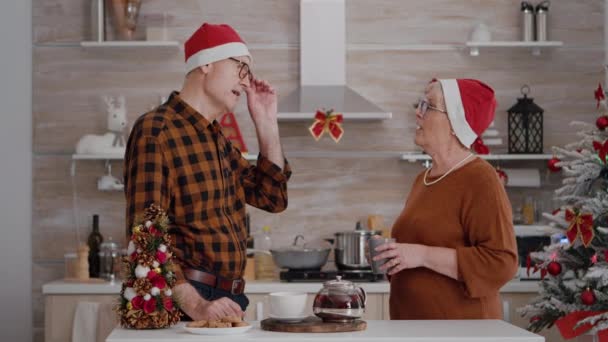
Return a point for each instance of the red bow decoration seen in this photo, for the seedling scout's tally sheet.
(580, 224)
(599, 94)
(327, 122)
(602, 149)
(567, 323)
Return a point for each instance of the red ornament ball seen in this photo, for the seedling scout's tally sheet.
(602, 122)
(587, 297)
(502, 175)
(552, 164)
(554, 268)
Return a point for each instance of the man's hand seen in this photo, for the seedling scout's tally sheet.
(262, 102)
(199, 308)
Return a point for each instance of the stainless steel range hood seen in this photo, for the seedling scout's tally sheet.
(323, 68)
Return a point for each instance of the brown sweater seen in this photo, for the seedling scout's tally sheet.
(469, 211)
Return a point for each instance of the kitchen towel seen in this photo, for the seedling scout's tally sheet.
(84, 328)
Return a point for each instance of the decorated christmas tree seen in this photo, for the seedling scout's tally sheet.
(574, 286)
(146, 299)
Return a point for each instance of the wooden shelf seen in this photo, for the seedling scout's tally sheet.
(98, 156)
(286, 117)
(129, 44)
(413, 157)
(534, 230)
(536, 47)
(108, 157)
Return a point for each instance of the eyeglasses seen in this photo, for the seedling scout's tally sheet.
(244, 70)
(423, 105)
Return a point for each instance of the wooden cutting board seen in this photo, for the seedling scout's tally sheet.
(312, 325)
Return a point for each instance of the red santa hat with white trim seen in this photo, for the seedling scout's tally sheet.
(470, 105)
(212, 43)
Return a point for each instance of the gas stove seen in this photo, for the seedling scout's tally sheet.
(303, 276)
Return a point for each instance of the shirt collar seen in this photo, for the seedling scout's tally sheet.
(197, 119)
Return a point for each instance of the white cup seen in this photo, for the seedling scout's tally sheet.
(288, 305)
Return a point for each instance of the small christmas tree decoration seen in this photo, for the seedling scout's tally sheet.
(554, 268)
(146, 300)
(552, 164)
(329, 122)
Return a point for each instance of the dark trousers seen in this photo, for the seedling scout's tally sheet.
(211, 293)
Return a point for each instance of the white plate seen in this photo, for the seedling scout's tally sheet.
(289, 319)
(218, 331)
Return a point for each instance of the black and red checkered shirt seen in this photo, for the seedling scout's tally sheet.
(178, 160)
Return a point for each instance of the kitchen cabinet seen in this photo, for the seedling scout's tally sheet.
(62, 298)
(511, 302)
(59, 314)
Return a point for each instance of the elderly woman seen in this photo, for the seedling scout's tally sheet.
(455, 246)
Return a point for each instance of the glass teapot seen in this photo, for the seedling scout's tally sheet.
(339, 301)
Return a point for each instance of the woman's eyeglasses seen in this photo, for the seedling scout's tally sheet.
(423, 105)
(244, 70)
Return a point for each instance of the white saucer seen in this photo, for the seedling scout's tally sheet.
(289, 319)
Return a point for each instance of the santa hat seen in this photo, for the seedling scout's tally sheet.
(212, 43)
(470, 105)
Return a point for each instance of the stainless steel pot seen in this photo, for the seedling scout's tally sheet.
(296, 257)
(350, 249)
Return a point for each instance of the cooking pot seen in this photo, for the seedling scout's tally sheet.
(350, 247)
(300, 257)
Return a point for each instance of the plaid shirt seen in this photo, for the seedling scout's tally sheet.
(178, 160)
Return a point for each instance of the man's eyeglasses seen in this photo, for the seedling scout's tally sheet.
(244, 70)
(423, 105)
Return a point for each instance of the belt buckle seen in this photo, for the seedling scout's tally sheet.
(236, 284)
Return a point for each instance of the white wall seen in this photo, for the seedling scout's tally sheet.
(15, 170)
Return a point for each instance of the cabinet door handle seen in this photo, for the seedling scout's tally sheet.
(506, 311)
(259, 313)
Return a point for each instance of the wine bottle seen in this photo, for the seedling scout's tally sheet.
(94, 241)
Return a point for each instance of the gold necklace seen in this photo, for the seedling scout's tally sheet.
(445, 174)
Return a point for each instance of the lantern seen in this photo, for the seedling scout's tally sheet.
(525, 125)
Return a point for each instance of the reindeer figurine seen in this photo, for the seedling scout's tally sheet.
(117, 119)
(113, 141)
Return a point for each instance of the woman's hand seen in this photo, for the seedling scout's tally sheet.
(401, 256)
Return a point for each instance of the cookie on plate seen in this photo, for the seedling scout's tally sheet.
(198, 324)
(219, 324)
(239, 324)
(231, 319)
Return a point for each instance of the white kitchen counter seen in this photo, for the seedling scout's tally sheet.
(255, 287)
(377, 331)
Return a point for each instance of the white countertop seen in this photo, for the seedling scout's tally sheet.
(377, 331)
(61, 287)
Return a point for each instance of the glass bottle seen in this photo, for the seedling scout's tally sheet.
(94, 242)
